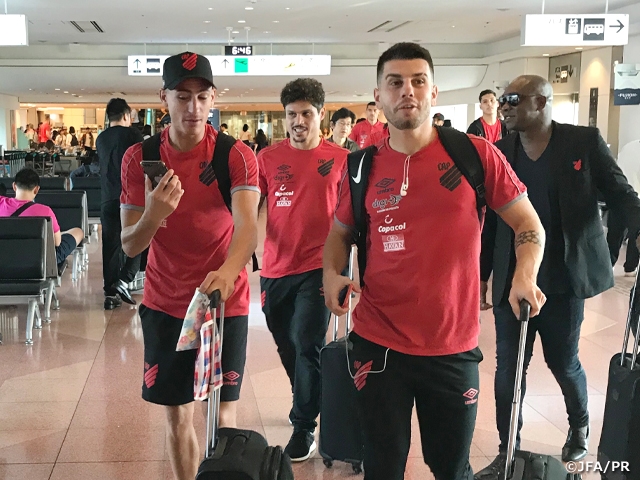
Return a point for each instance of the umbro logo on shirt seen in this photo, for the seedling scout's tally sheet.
(451, 179)
(325, 168)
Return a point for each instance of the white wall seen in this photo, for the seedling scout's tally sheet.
(630, 114)
(597, 66)
(7, 103)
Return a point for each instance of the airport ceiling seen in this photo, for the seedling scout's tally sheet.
(55, 27)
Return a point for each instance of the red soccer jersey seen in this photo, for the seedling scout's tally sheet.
(301, 187)
(492, 133)
(363, 130)
(376, 137)
(195, 238)
(422, 283)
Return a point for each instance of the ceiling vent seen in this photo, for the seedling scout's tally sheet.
(389, 26)
(87, 27)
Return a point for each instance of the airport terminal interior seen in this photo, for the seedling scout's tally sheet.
(70, 399)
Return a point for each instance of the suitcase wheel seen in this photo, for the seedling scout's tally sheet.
(357, 468)
(328, 463)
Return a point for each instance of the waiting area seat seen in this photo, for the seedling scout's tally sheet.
(24, 266)
(91, 185)
(58, 184)
(70, 209)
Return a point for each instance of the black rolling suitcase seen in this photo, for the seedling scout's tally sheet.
(620, 437)
(234, 454)
(523, 465)
(340, 432)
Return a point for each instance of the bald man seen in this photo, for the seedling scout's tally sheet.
(563, 167)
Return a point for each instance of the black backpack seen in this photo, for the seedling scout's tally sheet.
(74, 140)
(219, 164)
(461, 150)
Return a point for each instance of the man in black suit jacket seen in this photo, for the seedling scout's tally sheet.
(563, 167)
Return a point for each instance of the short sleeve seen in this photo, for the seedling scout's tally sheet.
(344, 208)
(133, 189)
(503, 187)
(243, 168)
(262, 177)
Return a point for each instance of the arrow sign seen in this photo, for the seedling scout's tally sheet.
(620, 26)
(570, 70)
(137, 62)
(225, 62)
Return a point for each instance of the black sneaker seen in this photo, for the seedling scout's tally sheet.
(112, 302)
(495, 470)
(123, 290)
(301, 446)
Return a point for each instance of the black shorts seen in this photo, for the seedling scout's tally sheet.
(168, 375)
(67, 246)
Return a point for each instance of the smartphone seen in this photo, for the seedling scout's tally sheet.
(344, 296)
(155, 170)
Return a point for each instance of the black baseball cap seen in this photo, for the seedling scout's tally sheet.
(438, 116)
(178, 68)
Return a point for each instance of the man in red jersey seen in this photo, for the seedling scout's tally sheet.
(299, 178)
(488, 125)
(363, 130)
(196, 243)
(416, 327)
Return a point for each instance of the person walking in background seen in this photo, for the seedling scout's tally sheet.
(364, 130)
(488, 125)
(261, 141)
(245, 136)
(118, 270)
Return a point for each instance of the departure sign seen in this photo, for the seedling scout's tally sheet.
(238, 50)
(241, 65)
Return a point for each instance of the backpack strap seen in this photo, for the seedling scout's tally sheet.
(220, 165)
(358, 168)
(19, 211)
(151, 148)
(466, 157)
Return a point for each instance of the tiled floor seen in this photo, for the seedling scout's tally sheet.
(70, 405)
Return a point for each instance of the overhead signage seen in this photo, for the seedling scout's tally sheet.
(626, 84)
(258, 65)
(575, 30)
(13, 30)
(238, 50)
(564, 73)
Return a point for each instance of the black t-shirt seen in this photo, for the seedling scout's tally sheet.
(112, 145)
(543, 193)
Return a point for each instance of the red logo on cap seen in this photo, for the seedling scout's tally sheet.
(189, 61)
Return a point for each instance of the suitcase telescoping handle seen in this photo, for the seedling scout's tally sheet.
(213, 404)
(525, 311)
(347, 326)
(630, 319)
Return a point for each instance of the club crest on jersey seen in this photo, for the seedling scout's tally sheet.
(325, 167)
(208, 176)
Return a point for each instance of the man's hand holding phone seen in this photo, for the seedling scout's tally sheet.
(337, 290)
(162, 201)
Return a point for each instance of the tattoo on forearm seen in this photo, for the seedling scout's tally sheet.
(528, 237)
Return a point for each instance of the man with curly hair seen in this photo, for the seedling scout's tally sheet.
(299, 178)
